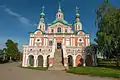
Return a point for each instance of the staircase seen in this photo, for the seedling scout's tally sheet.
(57, 61)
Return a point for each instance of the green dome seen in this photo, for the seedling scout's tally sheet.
(77, 15)
(42, 14)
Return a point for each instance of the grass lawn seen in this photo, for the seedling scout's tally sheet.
(36, 68)
(96, 71)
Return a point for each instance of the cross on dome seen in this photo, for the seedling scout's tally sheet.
(43, 9)
(59, 6)
(77, 9)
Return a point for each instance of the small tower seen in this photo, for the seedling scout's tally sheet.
(41, 25)
(59, 14)
(77, 23)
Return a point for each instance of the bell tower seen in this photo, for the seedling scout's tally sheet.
(77, 23)
(41, 25)
(59, 14)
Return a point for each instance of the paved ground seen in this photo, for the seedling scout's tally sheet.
(11, 71)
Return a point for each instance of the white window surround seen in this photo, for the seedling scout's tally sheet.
(67, 42)
(80, 39)
(38, 40)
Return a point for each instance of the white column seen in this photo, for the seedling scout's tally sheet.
(88, 41)
(84, 58)
(63, 41)
(23, 60)
(74, 61)
(54, 41)
(35, 61)
(44, 61)
(71, 41)
(31, 41)
(27, 61)
(44, 41)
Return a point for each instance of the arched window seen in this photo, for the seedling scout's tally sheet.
(59, 15)
(66, 30)
(52, 30)
(59, 29)
(40, 26)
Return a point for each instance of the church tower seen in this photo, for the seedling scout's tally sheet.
(59, 14)
(41, 25)
(77, 23)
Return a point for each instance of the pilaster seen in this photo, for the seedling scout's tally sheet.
(45, 61)
(35, 61)
(74, 61)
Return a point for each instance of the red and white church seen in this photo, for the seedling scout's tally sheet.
(56, 43)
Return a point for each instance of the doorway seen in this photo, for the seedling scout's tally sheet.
(59, 46)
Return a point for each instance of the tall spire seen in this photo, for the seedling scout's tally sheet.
(77, 9)
(59, 6)
(43, 9)
(42, 15)
(77, 12)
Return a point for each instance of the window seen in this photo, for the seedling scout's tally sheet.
(52, 30)
(40, 26)
(66, 30)
(50, 43)
(39, 49)
(80, 40)
(38, 39)
(59, 29)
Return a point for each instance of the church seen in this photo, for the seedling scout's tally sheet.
(56, 45)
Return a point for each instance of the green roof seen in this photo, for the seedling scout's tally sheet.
(61, 21)
(42, 14)
(77, 15)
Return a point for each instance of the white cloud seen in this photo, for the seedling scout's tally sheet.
(11, 12)
(21, 18)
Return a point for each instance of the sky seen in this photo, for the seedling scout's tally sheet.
(19, 17)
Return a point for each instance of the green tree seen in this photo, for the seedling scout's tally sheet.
(11, 50)
(92, 50)
(108, 35)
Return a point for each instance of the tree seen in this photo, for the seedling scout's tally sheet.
(1, 55)
(92, 50)
(11, 50)
(108, 35)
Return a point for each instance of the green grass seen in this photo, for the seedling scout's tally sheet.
(36, 68)
(96, 71)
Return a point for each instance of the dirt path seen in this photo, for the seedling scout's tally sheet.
(11, 71)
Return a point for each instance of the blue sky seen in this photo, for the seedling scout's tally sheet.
(19, 17)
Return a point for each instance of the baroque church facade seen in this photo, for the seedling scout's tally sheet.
(58, 44)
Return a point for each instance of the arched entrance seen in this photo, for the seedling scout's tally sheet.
(79, 60)
(31, 60)
(70, 60)
(40, 60)
(48, 60)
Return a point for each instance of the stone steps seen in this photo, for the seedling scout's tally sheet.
(58, 61)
